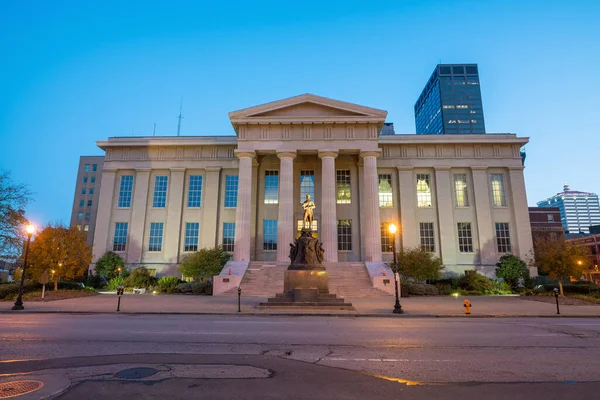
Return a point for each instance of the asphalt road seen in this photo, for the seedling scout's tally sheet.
(307, 357)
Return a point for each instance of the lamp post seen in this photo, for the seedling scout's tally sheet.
(19, 303)
(397, 306)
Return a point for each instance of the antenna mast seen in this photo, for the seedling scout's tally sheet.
(180, 117)
(154, 130)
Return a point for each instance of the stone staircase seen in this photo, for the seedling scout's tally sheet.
(347, 280)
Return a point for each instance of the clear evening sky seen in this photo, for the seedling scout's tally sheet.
(72, 74)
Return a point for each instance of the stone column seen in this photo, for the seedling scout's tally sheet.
(408, 207)
(135, 241)
(328, 223)
(483, 211)
(372, 231)
(285, 220)
(522, 228)
(210, 207)
(445, 212)
(175, 205)
(243, 212)
(105, 205)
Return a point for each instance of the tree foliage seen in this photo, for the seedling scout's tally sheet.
(108, 264)
(512, 269)
(560, 259)
(418, 264)
(13, 200)
(204, 264)
(59, 249)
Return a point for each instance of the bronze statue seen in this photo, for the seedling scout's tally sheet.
(308, 207)
(306, 250)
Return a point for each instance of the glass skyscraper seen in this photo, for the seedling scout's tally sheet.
(451, 102)
(578, 210)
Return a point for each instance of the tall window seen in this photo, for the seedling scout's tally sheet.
(79, 216)
(87, 167)
(342, 186)
(195, 191)
(460, 190)
(423, 190)
(120, 239)
(271, 187)
(81, 203)
(270, 234)
(125, 190)
(87, 216)
(228, 236)
(503, 237)
(231, 189)
(386, 238)
(465, 237)
(160, 191)
(82, 190)
(93, 179)
(385, 191)
(427, 236)
(85, 179)
(91, 190)
(94, 167)
(89, 203)
(156, 236)
(307, 185)
(191, 236)
(498, 197)
(344, 234)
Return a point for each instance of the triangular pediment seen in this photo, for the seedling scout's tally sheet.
(308, 109)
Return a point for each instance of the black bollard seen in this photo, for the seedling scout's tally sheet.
(556, 296)
(239, 298)
(119, 294)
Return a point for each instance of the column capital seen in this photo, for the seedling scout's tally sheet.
(370, 153)
(213, 169)
(245, 154)
(328, 153)
(479, 167)
(286, 154)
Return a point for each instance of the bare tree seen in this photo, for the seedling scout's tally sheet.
(13, 200)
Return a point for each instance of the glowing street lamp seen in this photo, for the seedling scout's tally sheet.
(397, 307)
(19, 303)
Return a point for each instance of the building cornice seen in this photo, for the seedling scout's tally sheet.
(488, 138)
(133, 141)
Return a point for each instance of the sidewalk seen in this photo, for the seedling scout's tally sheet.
(483, 306)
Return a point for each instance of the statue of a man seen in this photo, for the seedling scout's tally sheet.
(308, 207)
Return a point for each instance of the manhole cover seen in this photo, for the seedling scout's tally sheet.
(136, 373)
(18, 388)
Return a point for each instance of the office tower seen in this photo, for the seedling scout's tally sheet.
(87, 193)
(578, 210)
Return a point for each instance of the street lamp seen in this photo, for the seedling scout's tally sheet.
(397, 307)
(19, 303)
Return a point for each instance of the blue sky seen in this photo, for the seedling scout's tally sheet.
(75, 73)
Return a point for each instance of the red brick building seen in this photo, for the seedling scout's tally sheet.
(545, 222)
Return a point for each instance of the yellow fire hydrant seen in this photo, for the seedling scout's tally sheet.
(467, 306)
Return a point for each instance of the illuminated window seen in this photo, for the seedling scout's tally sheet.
(231, 191)
(120, 238)
(314, 226)
(307, 185)
(160, 191)
(498, 197)
(503, 237)
(460, 190)
(270, 234)
(86, 228)
(228, 236)
(156, 236)
(386, 238)
(344, 227)
(385, 191)
(271, 187)
(191, 236)
(125, 190)
(195, 191)
(465, 237)
(342, 185)
(427, 236)
(423, 190)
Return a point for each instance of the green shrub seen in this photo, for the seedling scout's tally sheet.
(12, 289)
(168, 284)
(512, 269)
(500, 287)
(204, 264)
(110, 264)
(474, 281)
(115, 282)
(96, 281)
(70, 285)
(421, 289)
(581, 288)
(140, 278)
(444, 289)
(195, 288)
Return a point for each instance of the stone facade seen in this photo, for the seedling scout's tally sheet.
(460, 186)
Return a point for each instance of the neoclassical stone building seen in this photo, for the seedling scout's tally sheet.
(460, 196)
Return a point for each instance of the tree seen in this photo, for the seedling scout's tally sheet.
(109, 264)
(204, 263)
(13, 200)
(560, 259)
(419, 264)
(59, 249)
(512, 269)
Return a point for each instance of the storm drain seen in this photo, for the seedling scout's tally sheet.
(18, 388)
(136, 373)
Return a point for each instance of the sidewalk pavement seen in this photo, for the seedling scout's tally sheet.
(447, 306)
